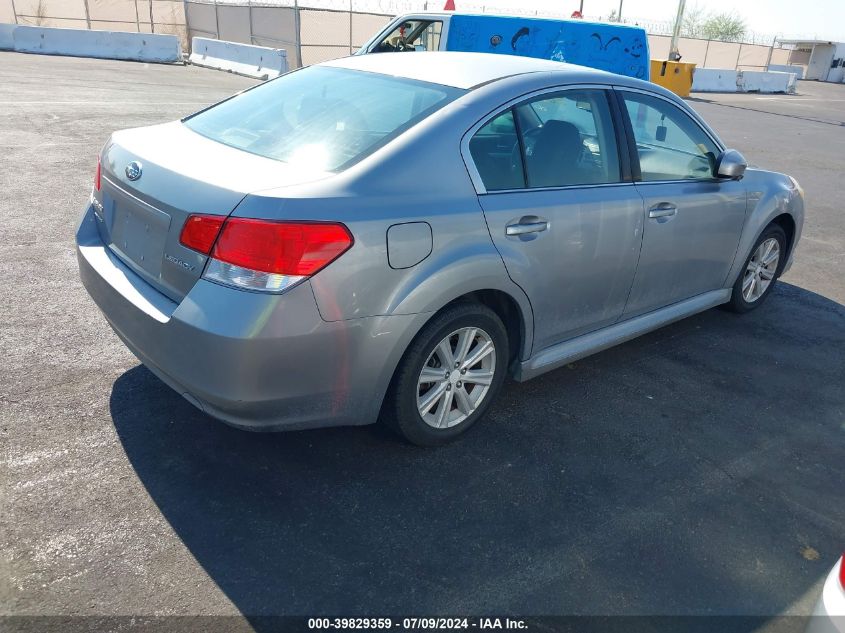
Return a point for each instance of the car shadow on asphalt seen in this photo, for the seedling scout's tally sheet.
(688, 471)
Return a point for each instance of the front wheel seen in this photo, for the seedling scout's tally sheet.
(761, 271)
(449, 376)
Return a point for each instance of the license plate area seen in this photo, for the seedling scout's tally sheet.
(138, 233)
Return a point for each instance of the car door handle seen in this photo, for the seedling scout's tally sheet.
(662, 210)
(523, 228)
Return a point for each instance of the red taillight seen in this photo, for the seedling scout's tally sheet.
(842, 572)
(97, 176)
(282, 248)
(200, 231)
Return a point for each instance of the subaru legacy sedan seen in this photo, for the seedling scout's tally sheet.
(389, 236)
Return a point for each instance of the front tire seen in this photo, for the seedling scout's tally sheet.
(449, 375)
(761, 271)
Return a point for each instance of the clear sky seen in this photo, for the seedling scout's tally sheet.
(815, 19)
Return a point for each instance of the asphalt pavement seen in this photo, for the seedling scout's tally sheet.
(696, 470)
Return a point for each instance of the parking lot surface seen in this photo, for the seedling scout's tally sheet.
(695, 470)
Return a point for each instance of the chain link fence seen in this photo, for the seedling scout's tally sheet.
(716, 54)
(312, 31)
(142, 16)
(326, 29)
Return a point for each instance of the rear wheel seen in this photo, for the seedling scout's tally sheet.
(761, 270)
(449, 375)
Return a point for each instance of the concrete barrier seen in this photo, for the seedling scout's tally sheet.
(242, 59)
(763, 81)
(714, 80)
(798, 71)
(7, 39)
(723, 80)
(144, 47)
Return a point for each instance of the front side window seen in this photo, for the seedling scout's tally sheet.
(670, 144)
(320, 117)
(412, 35)
(561, 140)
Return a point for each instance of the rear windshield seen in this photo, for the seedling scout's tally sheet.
(320, 117)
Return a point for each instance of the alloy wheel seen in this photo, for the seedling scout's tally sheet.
(456, 377)
(761, 270)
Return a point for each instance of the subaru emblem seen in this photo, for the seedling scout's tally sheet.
(133, 170)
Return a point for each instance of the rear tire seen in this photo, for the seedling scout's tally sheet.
(760, 272)
(449, 375)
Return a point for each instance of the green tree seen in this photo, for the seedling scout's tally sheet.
(693, 22)
(727, 27)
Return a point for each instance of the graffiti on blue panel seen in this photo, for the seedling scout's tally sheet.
(615, 48)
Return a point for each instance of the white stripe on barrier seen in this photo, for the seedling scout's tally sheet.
(243, 59)
(145, 47)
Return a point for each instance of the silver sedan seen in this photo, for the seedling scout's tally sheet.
(390, 236)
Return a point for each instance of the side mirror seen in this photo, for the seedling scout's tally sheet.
(731, 164)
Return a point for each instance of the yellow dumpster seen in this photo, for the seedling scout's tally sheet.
(674, 76)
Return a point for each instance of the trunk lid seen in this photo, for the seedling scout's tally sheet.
(181, 173)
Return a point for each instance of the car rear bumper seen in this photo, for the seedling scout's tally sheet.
(829, 614)
(254, 360)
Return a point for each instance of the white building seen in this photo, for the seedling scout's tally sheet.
(821, 60)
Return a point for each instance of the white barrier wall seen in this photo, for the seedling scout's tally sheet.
(7, 40)
(798, 71)
(145, 47)
(723, 80)
(714, 80)
(243, 59)
(762, 81)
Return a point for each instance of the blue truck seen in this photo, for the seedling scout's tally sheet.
(617, 48)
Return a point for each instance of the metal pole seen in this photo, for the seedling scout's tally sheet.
(619, 15)
(138, 17)
(581, 8)
(189, 43)
(350, 27)
(298, 27)
(87, 14)
(152, 20)
(674, 55)
(771, 50)
(251, 27)
(216, 21)
(14, 11)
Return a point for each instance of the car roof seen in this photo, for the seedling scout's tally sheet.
(458, 70)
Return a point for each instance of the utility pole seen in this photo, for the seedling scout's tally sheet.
(674, 55)
(298, 27)
(771, 50)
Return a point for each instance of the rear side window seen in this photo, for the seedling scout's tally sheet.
(561, 140)
(321, 118)
(670, 144)
(496, 154)
(572, 141)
